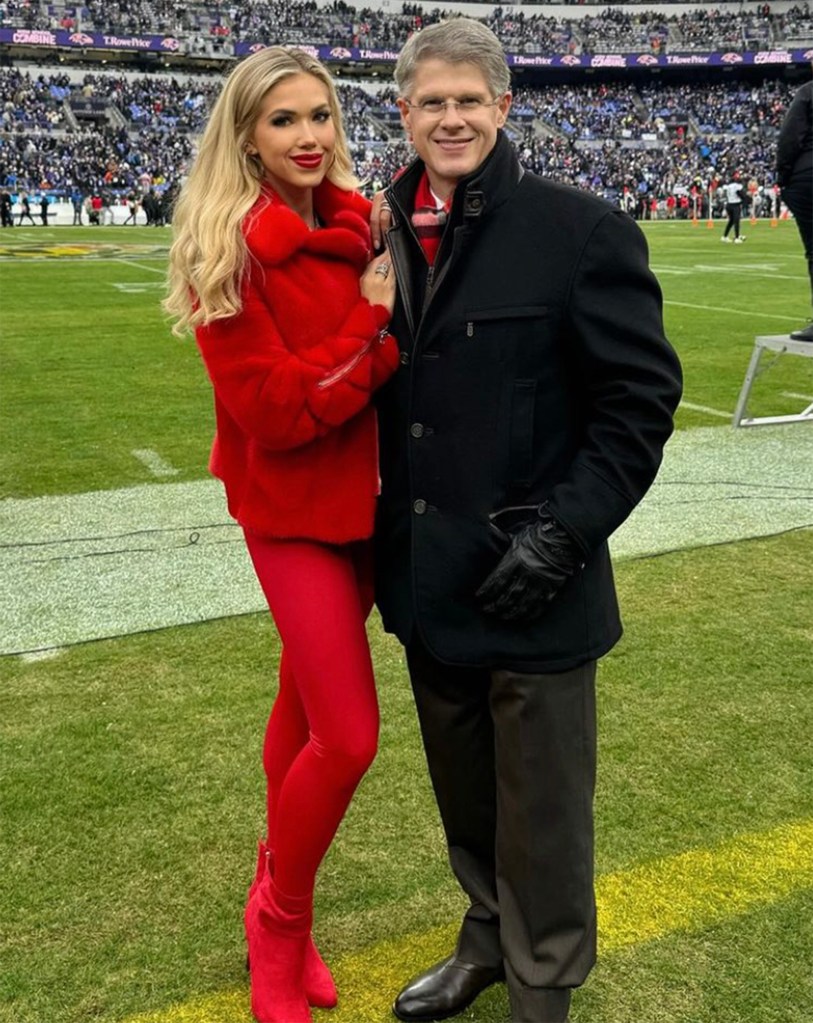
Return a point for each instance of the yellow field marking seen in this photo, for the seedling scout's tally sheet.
(681, 893)
(705, 886)
(34, 249)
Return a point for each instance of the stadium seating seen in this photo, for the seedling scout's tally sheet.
(67, 130)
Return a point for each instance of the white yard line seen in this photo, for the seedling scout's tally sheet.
(140, 266)
(794, 394)
(743, 271)
(690, 271)
(706, 409)
(136, 287)
(734, 312)
(154, 462)
(42, 655)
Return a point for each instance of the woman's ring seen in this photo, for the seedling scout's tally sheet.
(383, 269)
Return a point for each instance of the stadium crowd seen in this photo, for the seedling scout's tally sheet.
(156, 102)
(608, 137)
(585, 112)
(796, 24)
(31, 102)
(617, 31)
(604, 137)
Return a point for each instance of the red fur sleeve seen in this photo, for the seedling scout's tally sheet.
(280, 399)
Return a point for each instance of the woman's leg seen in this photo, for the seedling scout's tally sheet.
(287, 731)
(313, 591)
(286, 735)
(321, 737)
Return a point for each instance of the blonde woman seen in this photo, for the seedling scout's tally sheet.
(270, 267)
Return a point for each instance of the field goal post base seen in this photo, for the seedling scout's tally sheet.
(781, 344)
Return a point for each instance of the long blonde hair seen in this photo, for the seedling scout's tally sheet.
(208, 254)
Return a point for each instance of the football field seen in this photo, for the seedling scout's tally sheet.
(137, 668)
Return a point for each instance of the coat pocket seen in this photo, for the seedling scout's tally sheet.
(505, 522)
(476, 318)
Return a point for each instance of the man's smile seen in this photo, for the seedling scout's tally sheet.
(452, 145)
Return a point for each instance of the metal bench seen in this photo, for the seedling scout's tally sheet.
(781, 344)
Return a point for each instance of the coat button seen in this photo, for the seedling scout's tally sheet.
(419, 506)
(416, 430)
(403, 358)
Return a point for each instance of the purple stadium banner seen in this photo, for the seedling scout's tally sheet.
(572, 60)
(91, 40)
(169, 44)
(687, 59)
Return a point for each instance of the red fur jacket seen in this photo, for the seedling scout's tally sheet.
(296, 443)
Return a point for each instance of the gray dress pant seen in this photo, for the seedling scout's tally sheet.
(512, 758)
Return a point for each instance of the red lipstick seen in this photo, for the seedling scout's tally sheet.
(310, 161)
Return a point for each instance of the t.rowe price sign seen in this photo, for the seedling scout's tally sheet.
(691, 59)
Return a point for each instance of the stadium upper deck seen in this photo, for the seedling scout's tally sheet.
(229, 29)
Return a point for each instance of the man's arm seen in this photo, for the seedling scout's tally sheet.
(631, 380)
(792, 133)
(632, 383)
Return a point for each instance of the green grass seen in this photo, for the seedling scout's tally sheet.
(130, 776)
(91, 372)
(132, 795)
(764, 281)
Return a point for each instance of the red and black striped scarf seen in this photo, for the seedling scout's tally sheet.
(429, 219)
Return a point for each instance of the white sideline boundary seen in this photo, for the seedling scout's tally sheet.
(109, 563)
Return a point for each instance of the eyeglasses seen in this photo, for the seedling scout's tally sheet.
(437, 107)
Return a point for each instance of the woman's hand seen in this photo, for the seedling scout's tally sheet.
(378, 282)
(380, 220)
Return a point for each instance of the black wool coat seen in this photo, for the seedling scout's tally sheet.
(794, 147)
(534, 368)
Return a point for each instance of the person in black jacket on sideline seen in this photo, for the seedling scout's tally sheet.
(794, 175)
(527, 419)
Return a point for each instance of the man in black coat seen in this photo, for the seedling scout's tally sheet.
(527, 420)
(794, 175)
(6, 218)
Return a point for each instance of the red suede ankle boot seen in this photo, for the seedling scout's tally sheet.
(277, 930)
(317, 980)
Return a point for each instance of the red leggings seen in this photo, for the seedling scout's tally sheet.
(322, 734)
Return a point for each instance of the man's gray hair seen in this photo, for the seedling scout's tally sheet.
(458, 41)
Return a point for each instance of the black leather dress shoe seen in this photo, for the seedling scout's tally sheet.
(444, 990)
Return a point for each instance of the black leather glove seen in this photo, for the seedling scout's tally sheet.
(542, 556)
